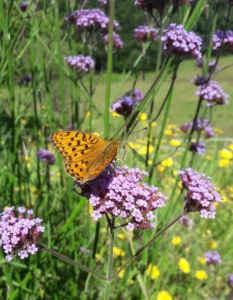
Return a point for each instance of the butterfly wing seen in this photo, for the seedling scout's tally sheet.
(85, 155)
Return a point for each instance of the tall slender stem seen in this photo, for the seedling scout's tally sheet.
(110, 266)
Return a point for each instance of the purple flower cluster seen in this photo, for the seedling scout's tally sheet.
(23, 6)
(125, 105)
(187, 222)
(212, 93)
(145, 33)
(123, 193)
(198, 148)
(19, 234)
(177, 41)
(213, 258)
(46, 156)
(91, 19)
(117, 41)
(80, 63)
(102, 2)
(230, 280)
(200, 124)
(201, 193)
(227, 41)
(211, 65)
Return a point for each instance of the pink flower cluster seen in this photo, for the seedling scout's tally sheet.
(201, 193)
(201, 124)
(227, 41)
(212, 93)
(117, 41)
(123, 193)
(80, 63)
(91, 19)
(19, 234)
(145, 33)
(177, 41)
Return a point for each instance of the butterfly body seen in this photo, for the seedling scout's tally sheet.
(85, 155)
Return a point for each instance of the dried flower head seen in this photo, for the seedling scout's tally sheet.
(198, 148)
(201, 193)
(90, 19)
(19, 234)
(212, 93)
(178, 41)
(82, 64)
(145, 33)
(123, 193)
(117, 41)
(46, 156)
(227, 41)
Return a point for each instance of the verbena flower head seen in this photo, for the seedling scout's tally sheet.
(23, 6)
(122, 193)
(178, 41)
(213, 258)
(70, 127)
(124, 106)
(200, 124)
(200, 80)
(187, 222)
(117, 41)
(230, 280)
(46, 156)
(90, 19)
(136, 94)
(211, 65)
(102, 2)
(198, 148)
(80, 63)
(201, 193)
(149, 5)
(25, 80)
(227, 41)
(145, 33)
(19, 234)
(212, 93)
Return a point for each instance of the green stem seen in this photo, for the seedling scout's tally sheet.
(110, 267)
(71, 262)
(109, 68)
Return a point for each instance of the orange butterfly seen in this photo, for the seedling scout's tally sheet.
(85, 155)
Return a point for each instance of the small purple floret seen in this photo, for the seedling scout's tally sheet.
(117, 41)
(213, 258)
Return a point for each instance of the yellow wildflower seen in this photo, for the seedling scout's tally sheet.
(134, 145)
(121, 274)
(97, 256)
(224, 163)
(176, 240)
(143, 150)
(225, 154)
(153, 124)
(201, 260)
(121, 236)
(175, 143)
(150, 162)
(96, 133)
(90, 209)
(201, 274)
(168, 132)
(131, 281)
(143, 116)
(160, 169)
(230, 147)
(218, 130)
(164, 296)
(118, 252)
(23, 122)
(167, 162)
(153, 272)
(184, 265)
(88, 114)
(114, 114)
(208, 157)
(213, 244)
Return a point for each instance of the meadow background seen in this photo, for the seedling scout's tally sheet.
(40, 95)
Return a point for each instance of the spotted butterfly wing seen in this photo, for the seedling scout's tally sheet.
(85, 155)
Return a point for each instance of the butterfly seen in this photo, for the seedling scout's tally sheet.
(85, 155)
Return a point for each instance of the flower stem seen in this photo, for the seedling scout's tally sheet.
(135, 256)
(110, 267)
(71, 262)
